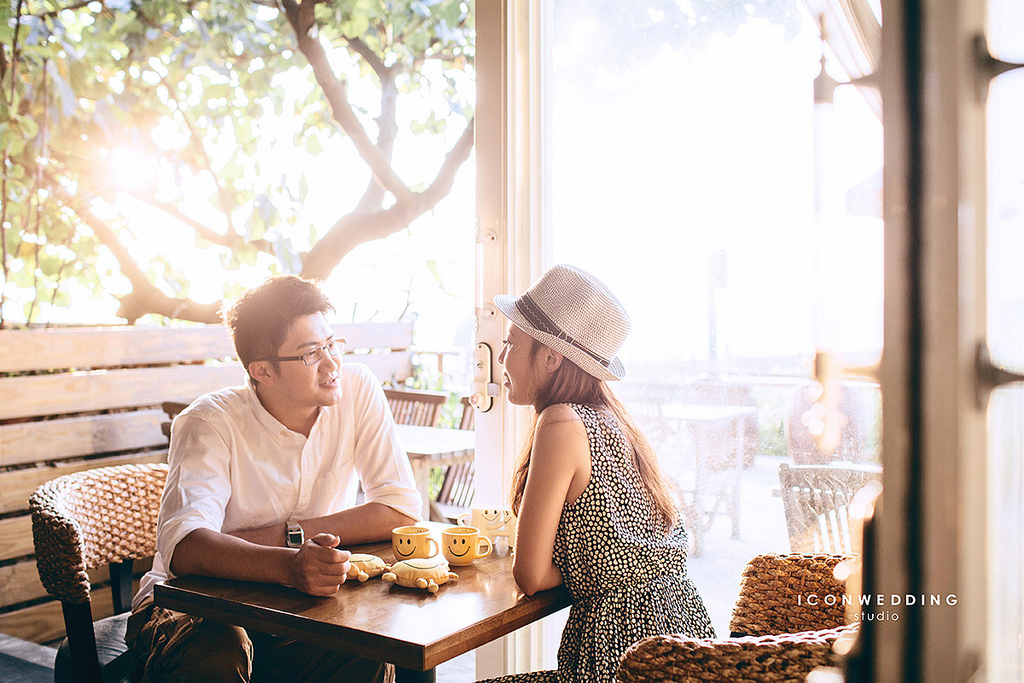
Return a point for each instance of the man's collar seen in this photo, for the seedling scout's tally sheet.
(273, 426)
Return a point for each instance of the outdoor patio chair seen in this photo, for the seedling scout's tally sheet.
(468, 418)
(84, 521)
(456, 493)
(416, 407)
(787, 618)
(816, 500)
(459, 484)
(853, 442)
(171, 409)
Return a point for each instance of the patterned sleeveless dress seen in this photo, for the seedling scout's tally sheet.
(627, 577)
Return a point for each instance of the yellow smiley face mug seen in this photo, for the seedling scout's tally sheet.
(463, 544)
(412, 541)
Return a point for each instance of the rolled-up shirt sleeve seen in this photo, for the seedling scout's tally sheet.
(381, 463)
(198, 483)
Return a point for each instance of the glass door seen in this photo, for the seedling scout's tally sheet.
(739, 220)
(695, 157)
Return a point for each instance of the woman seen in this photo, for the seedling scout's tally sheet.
(594, 512)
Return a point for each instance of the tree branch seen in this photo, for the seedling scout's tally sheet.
(445, 178)
(196, 143)
(229, 241)
(145, 297)
(363, 50)
(300, 16)
(387, 122)
(387, 131)
(73, 6)
(355, 228)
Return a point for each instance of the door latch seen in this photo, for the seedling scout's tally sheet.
(484, 389)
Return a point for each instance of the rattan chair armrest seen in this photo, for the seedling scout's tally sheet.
(679, 659)
(58, 545)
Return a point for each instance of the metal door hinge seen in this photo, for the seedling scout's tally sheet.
(987, 67)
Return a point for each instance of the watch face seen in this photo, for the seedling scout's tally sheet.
(295, 536)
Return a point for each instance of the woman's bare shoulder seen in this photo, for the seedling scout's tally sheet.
(560, 435)
(557, 414)
(560, 425)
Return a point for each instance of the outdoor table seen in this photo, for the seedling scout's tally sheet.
(430, 447)
(709, 464)
(411, 628)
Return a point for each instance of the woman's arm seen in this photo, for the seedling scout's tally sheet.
(559, 471)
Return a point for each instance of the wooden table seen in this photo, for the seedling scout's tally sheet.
(411, 628)
(430, 447)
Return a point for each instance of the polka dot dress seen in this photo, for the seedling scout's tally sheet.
(626, 576)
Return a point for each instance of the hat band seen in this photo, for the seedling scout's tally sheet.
(539, 319)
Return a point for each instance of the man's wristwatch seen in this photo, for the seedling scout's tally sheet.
(294, 535)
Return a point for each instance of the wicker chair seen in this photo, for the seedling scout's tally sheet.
(83, 521)
(816, 500)
(788, 616)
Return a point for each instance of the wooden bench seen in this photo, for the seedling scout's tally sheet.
(73, 399)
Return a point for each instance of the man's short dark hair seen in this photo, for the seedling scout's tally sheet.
(260, 320)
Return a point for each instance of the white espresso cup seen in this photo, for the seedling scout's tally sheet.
(493, 522)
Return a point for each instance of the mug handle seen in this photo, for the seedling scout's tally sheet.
(432, 542)
(463, 519)
(483, 540)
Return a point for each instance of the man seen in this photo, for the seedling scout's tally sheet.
(262, 487)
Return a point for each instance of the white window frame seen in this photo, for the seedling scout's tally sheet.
(512, 251)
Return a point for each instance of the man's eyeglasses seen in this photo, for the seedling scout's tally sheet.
(335, 347)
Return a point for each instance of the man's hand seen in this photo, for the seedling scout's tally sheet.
(319, 568)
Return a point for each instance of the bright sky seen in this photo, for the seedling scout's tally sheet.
(724, 160)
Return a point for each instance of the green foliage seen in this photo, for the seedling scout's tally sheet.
(171, 102)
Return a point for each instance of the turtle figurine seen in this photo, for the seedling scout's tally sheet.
(365, 566)
(428, 573)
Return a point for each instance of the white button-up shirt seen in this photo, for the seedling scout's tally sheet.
(234, 466)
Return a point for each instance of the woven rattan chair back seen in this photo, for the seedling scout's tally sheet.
(816, 500)
(83, 521)
(788, 616)
(788, 594)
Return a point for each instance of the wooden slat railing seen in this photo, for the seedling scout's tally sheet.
(76, 398)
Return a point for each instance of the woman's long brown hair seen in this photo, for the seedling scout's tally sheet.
(571, 384)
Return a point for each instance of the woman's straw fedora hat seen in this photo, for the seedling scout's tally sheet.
(572, 312)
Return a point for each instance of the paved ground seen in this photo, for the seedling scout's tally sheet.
(762, 530)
